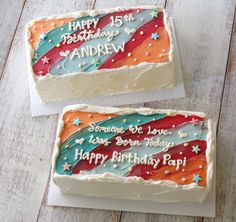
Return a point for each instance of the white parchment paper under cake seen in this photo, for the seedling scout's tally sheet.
(39, 109)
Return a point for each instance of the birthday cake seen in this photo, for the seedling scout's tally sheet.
(138, 154)
(100, 52)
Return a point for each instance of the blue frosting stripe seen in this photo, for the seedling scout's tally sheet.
(67, 154)
(144, 150)
(55, 35)
(69, 65)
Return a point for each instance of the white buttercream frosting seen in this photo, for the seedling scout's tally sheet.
(127, 79)
(136, 188)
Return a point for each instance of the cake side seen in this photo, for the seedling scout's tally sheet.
(143, 49)
(187, 182)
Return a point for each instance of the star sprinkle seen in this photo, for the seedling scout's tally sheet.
(196, 178)
(196, 149)
(95, 62)
(43, 36)
(194, 121)
(45, 60)
(155, 36)
(154, 14)
(66, 167)
(76, 122)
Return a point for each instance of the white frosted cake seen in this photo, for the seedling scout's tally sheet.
(100, 52)
(138, 154)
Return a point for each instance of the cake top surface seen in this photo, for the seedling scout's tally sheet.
(106, 40)
(151, 145)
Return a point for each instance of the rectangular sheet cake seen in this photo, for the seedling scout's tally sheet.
(100, 52)
(138, 154)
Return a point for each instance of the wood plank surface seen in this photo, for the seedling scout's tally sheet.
(226, 140)
(203, 45)
(26, 143)
(78, 214)
(124, 3)
(203, 32)
(10, 12)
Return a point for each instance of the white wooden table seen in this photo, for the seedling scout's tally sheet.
(206, 32)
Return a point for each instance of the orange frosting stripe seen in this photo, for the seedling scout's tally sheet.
(192, 167)
(149, 51)
(85, 117)
(44, 26)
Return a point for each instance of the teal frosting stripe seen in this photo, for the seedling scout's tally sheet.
(144, 150)
(69, 65)
(67, 149)
(55, 36)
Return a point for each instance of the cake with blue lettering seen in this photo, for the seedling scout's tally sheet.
(138, 154)
(100, 52)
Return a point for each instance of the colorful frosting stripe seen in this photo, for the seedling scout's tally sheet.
(68, 152)
(157, 51)
(124, 168)
(141, 170)
(54, 48)
(54, 56)
(85, 117)
(147, 29)
(67, 149)
(69, 65)
(41, 27)
(166, 123)
(184, 175)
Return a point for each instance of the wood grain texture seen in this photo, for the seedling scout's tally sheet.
(141, 217)
(10, 12)
(203, 45)
(77, 214)
(26, 143)
(226, 140)
(124, 3)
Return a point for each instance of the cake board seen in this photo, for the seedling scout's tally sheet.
(39, 109)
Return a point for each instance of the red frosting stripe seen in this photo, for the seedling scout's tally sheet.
(148, 172)
(54, 54)
(185, 174)
(164, 123)
(130, 46)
